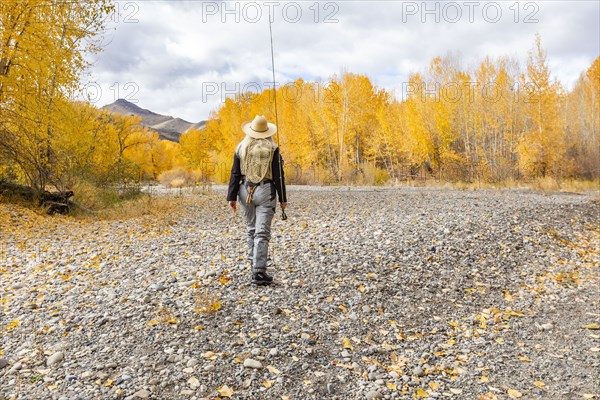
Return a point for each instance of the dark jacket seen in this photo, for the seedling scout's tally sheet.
(236, 178)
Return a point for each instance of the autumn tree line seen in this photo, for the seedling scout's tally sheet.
(496, 122)
(48, 140)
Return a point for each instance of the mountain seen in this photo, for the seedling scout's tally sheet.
(168, 127)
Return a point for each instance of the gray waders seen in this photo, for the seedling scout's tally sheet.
(258, 203)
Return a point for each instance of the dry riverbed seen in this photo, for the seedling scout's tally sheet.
(380, 293)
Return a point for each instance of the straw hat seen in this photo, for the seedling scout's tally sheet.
(259, 128)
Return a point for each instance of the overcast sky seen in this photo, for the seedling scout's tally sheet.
(182, 58)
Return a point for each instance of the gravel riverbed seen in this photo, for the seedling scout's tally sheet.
(405, 293)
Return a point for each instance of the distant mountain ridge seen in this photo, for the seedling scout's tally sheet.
(168, 127)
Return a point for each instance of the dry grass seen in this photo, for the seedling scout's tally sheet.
(95, 204)
(545, 185)
(205, 301)
(180, 177)
(164, 315)
(574, 185)
(112, 204)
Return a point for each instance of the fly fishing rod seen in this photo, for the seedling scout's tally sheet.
(280, 161)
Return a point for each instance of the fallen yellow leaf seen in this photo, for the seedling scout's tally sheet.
(488, 396)
(513, 313)
(589, 396)
(514, 394)
(539, 384)
(484, 379)
(346, 344)
(52, 387)
(12, 325)
(210, 355)
(391, 386)
(434, 385)
(268, 384)
(593, 327)
(421, 394)
(225, 391)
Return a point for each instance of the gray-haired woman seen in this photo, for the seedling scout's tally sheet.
(256, 178)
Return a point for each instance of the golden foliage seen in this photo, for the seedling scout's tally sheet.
(507, 126)
(491, 123)
(35, 91)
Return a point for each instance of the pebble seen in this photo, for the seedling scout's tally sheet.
(192, 362)
(55, 359)
(172, 358)
(373, 394)
(157, 287)
(193, 382)
(330, 388)
(141, 394)
(250, 363)
(3, 363)
(546, 327)
(16, 367)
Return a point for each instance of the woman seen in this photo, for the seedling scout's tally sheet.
(256, 177)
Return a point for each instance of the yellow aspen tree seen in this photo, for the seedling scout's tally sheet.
(581, 119)
(42, 50)
(542, 148)
(419, 144)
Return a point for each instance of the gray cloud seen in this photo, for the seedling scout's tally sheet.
(177, 48)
